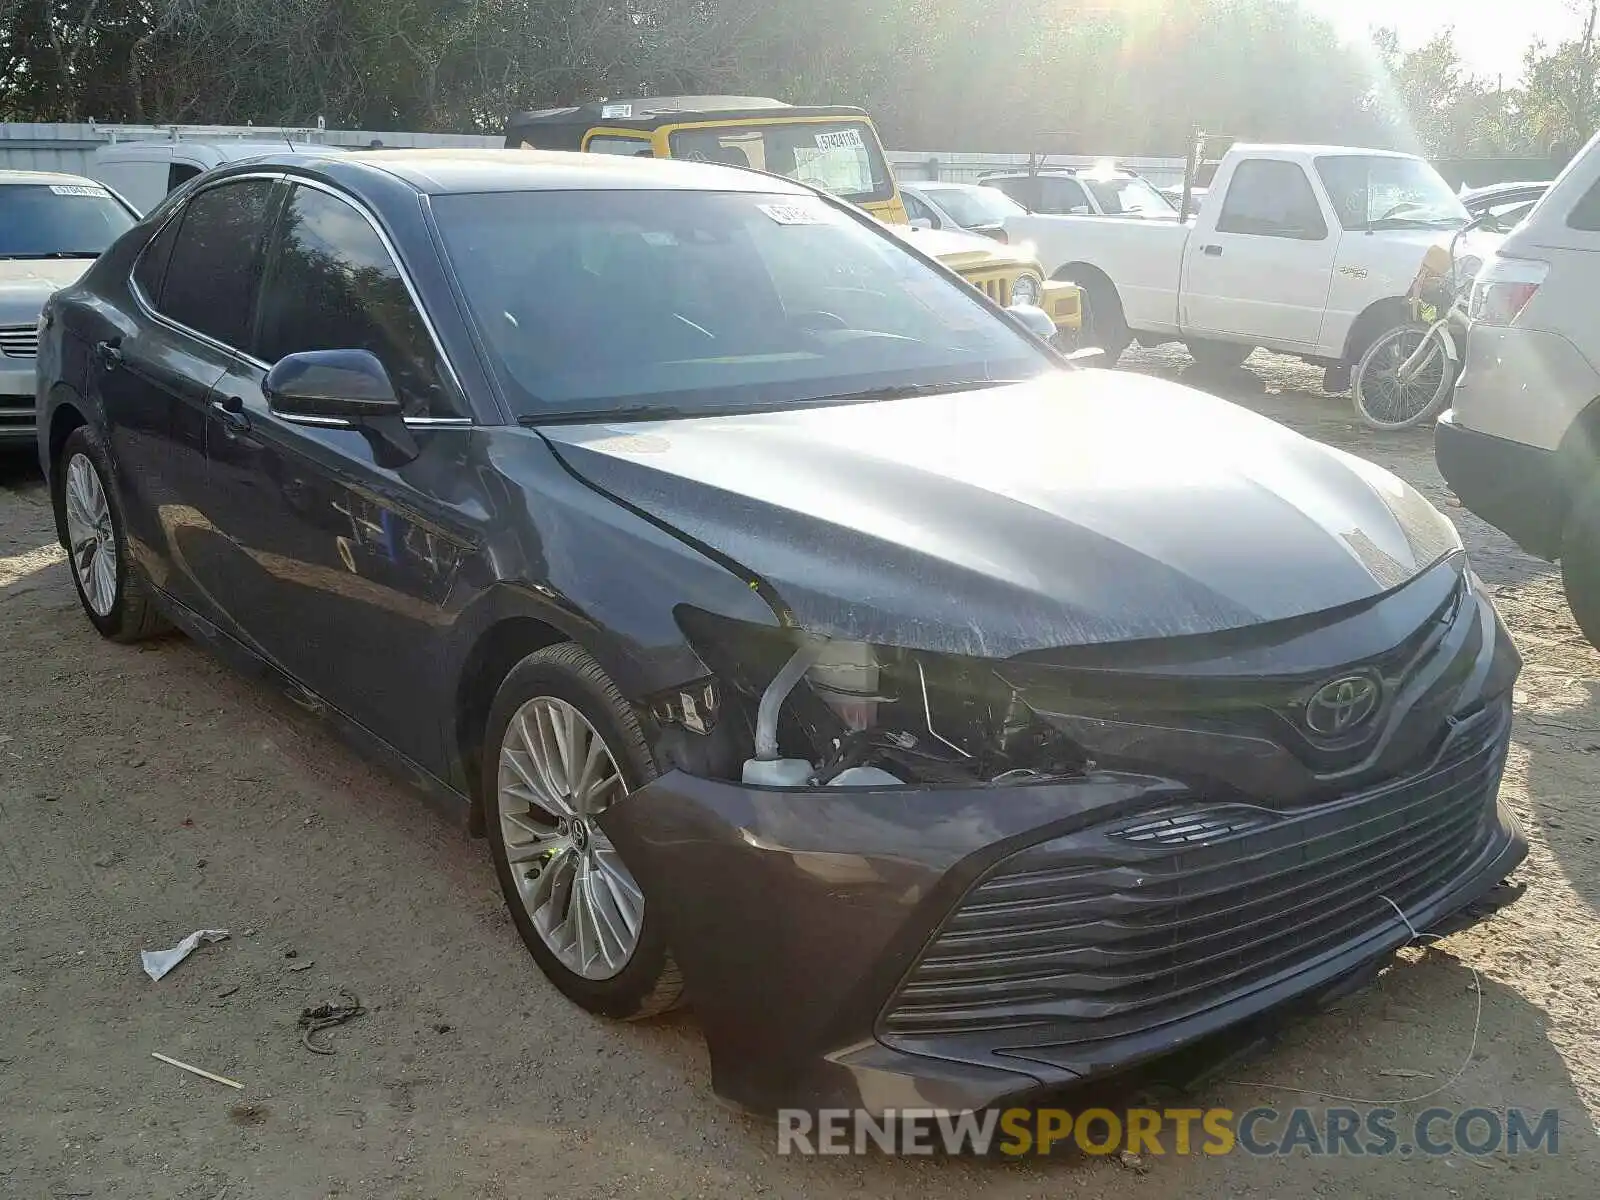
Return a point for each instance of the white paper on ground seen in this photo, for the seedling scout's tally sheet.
(158, 962)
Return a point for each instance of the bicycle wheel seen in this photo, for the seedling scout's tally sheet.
(1382, 400)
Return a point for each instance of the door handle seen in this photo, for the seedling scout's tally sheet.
(230, 412)
(109, 352)
(1211, 251)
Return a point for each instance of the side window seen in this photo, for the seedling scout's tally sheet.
(179, 174)
(334, 286)
(151, 269)
(1062, 196)
(1585, 214)
(635, 147)
(1271, 198)
(1017, 189)
(918, 211)
(214, 270)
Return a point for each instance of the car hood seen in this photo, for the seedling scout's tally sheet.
(25, 284)
(1083, 507)
(959, 250)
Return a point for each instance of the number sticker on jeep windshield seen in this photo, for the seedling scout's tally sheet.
(841, 139)
(76, 189)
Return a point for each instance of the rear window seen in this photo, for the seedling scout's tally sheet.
(59, 220)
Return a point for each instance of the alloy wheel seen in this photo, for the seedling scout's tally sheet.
(556, 776)
(90, 535)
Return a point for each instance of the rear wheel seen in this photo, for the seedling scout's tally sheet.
(114, 596)
(1218, 356)
(562, 746)
(1580, 566)
(1385, 401)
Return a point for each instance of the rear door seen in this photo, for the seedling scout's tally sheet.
(194, 289)
(1260, 272)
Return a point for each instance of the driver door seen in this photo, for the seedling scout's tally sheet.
(1263, 274)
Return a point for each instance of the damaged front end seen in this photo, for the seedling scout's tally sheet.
(894, 878)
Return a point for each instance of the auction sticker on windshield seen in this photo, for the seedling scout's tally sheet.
(76, 189)
(841, 139)
(798, 214)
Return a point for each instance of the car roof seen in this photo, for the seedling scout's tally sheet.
(39, 178)
(936, 185)
(1503, 189)
(441, 172)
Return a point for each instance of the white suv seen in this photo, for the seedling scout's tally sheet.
(1521, 447)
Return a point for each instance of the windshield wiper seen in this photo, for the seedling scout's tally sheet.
(669, 412)
(56, 254)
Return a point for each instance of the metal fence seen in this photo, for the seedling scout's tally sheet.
(70, 148)
(953, 167)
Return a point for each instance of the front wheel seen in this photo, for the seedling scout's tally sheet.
(1580, 566)
(1104, 325)
(1211, 355)
(1382, 399)
(562, 746)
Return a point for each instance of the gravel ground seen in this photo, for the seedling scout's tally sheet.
(148, 792)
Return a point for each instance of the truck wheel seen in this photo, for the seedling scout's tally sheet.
(1103, 323)
(1210, 355)
(1580, 566)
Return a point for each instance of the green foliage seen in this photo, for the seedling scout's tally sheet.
(1091, 76)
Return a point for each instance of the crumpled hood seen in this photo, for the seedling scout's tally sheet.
(1083, 507)
(25, 284)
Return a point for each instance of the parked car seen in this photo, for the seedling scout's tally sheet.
(959, 206)
(1104, 191)
(1008, 275)
(1519, 445)
(143, 172)
(51, 227)
(1505, 204)
(1306, 250)
(711, 550)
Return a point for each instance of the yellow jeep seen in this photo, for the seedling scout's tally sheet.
(832, 147)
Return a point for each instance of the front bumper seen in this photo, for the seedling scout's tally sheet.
(1515, 487)
(1064, 302)
(17, 405)
(966, 948)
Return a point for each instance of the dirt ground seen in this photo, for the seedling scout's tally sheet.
(148, 792)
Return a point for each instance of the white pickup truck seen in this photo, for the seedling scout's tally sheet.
(1306, 250)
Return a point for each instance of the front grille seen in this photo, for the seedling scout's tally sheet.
(20, 341)
(996, 287)
(1124, 927)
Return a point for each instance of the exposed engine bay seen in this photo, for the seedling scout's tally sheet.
(806, 711)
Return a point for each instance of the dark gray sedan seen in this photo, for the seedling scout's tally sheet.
(949, 724)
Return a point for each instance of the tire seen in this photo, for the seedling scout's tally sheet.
(114, 595)
(1580, 566)
(554, 866)
(1378, 399)
(1218, 356)
(1103, 323)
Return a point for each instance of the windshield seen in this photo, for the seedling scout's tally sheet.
(671, 303)
(976, 205)
(1371, 192)
(1127, 196)
(840, 157)
(59, 220)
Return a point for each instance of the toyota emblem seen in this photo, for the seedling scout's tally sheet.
(1343, 705)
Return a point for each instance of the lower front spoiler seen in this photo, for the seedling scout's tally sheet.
(795, 914)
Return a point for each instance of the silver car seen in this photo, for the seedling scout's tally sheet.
(51, 228)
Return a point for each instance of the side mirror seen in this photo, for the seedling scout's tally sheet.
(1085, 357)
(921, 223)
(339, 389)
(1034, 319)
